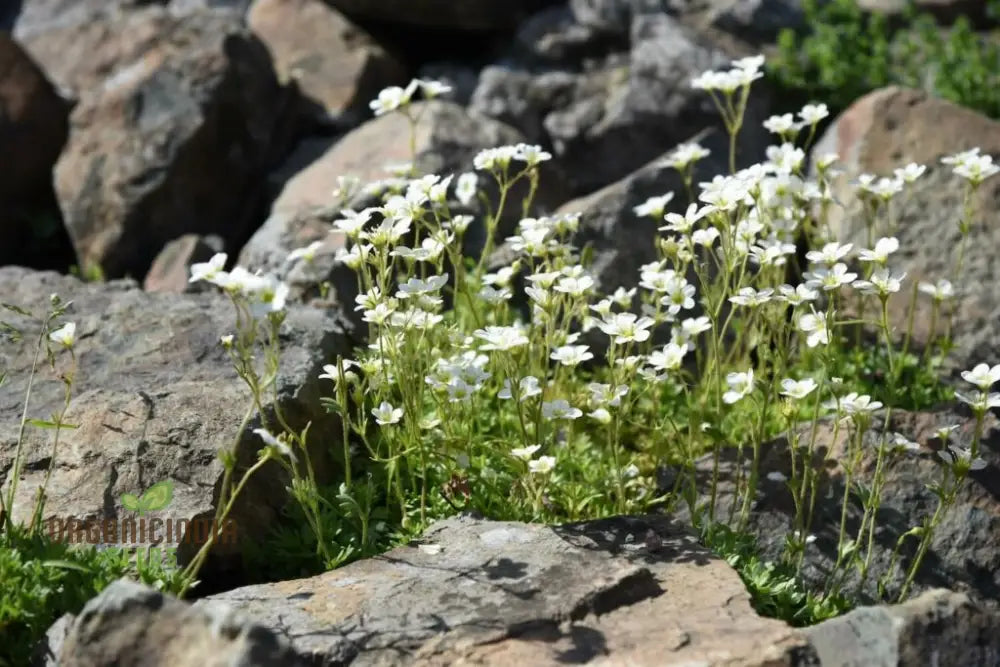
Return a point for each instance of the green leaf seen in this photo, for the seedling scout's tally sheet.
(158, 496)
(65, 565)
(130, 502)
(42, 423)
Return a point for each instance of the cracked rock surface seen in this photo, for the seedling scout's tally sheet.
(616, 591)
(155, 398)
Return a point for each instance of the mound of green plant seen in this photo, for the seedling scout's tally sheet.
(845, 52)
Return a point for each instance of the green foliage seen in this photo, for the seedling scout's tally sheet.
(846, 53)
(44, 579)
(774, 588)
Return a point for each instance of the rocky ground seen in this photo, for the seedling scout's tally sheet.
(141, 137)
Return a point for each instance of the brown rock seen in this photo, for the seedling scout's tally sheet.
(172, 267)
(619, 591)
(890, 128)
(336, 65)
(178, 119)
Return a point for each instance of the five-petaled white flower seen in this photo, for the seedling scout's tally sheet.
(277, 444)
(385, 414)
(571, 355)
(814, 326)
(740, 385)
(208, 270)
(525, 453)
(308, 253)
(626, 327)
(542, 465)
(797, 389)
(560, 409)
(501, 338)
(983, 376)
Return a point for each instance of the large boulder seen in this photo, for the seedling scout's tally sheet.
(610, 90)
(179, 117)
(337, 65)
(155, 399)
(887, 129)
(33, 128)
(622, 591)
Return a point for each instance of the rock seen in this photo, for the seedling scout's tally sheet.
(131, 624)
(964, 555)
(635, 590)
(155, 398)
(887, 129)
(447, 140)
(336, 65)
(175, 139)
(172, 267)
(755, 21)
(468, 15)
(610, 100)
(940, 627)
(33, 128)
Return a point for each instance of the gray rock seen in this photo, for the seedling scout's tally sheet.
(131, 624)
(939, 628)
(626, 590)
(964, 555)
(611, 105)
(155, 398)
(887, 129)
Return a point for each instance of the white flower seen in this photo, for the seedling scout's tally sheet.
(465, 188)
(961, 158)
(689, 329)
(830, 279)
(654, 206)
(780, 124)
(227, 340)
(910, 172)
(542, 465)
(977, 168)
(705, 237)
(575, 286)
(386, 414)
(751, 298)
(669, 358)
(813, 113)
(685, 155)
(881, 283)
(560, 409)
(432, 89)
(531, 155)
(606, 395)
(900, 441)
(392, 98)
(797, 389)
(776, 476)
(276, 443)
(798, 295)
(208, 270)
(983, 376)
(831, 253)
(682, 224)
(858, 404)
(528, 386)
(740, 384)
(416, 286)
(940, 291)
(626, 327)
(64, 335)
(814, 326)
(959, 456)
(525, 453)
(308, 253)
(600, 415)
(571, 355)
(980, 400)
(501, 338)
(880, 254)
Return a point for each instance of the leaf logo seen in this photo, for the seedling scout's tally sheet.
(155, 498)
